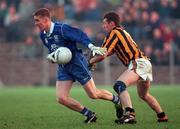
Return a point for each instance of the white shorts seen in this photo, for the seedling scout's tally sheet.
(143, 68)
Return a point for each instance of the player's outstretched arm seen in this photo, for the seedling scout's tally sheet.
(93, 60)
(97, 58)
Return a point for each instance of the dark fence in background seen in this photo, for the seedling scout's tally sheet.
(21, 67)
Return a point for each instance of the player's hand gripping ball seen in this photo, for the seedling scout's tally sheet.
(63, 55)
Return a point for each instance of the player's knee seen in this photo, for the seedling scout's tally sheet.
(119, 87)
(143, 96)
(62, 100)
(93, 95)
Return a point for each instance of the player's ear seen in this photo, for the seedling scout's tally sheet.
(112, 23)
(46, 19)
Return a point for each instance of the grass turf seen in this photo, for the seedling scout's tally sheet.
(36, 108)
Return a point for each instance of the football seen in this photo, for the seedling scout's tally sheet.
(63, 55)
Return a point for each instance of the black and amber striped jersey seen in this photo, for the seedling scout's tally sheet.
(121, 43)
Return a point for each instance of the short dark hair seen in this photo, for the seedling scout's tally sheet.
(112, 17)
(43, 12)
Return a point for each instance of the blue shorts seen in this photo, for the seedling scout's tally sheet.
(76, 69)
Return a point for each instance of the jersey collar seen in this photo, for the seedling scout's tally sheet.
(51, 30)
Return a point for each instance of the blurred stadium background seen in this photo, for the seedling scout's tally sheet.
(154, 24)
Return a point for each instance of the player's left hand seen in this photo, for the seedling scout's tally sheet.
(92, 67)
(51, 57)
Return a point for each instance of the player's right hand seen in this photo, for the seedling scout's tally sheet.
(51, 57)
(97, 50)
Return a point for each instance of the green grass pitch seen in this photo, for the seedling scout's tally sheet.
(36, 108)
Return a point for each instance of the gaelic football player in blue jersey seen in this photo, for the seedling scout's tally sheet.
(57, 34)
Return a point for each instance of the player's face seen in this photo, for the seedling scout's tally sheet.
(40, 22)
(107, 26)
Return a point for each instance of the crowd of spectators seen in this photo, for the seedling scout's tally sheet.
(154, 24)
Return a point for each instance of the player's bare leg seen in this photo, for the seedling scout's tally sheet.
(128, 78)
(95, 93)
(62, 92)
(143, 92)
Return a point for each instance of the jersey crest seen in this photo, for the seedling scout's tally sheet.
(54, 47)
(56, 39)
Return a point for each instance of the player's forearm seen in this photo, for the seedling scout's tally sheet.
(96, 59)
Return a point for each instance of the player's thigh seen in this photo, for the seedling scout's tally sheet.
(129, 77)
(63, 88)
(143, 87)
(90, 87)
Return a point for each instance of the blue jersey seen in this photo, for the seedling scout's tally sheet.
(64, 35)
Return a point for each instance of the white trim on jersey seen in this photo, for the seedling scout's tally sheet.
(51, 29)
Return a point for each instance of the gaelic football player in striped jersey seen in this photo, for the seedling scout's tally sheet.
(139, 69)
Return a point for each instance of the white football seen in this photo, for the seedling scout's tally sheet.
(63, 55)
